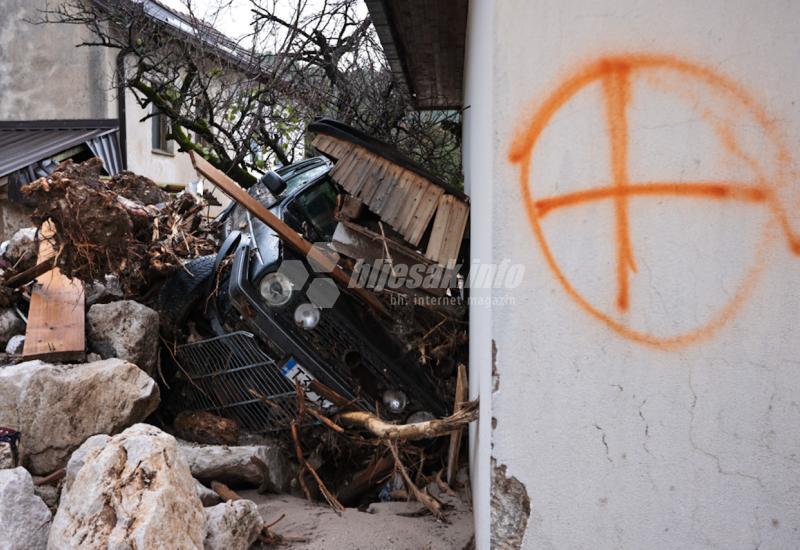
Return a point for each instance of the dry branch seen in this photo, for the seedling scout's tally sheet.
(421, 495)
(418, 430)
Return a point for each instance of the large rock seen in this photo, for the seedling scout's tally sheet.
(133, 491)
(232, 525)
(91, 446)
(22, 248)
(24, 517)
(232, 465)
(103, 292)
(10, 325)
(127, 330)
(56, 407)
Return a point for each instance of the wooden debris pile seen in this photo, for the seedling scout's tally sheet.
(398, 461)
(397, 218)
(423, 211)
(125, 226)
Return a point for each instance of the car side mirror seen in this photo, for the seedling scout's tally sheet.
(274, 183)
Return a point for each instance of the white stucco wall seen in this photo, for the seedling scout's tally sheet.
(665, 415)
(161, 168)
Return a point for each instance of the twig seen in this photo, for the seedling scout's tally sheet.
(325, 420)
(224, 491)
(30, 274)
(329, 497)
(443, 486)
(421, 496)
(386, 248)
(301, 459)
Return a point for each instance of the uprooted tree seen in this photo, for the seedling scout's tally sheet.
(245, 108)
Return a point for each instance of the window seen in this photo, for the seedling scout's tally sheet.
(160, 130)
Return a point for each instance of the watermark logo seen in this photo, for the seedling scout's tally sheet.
(406, 280)
(383, 274)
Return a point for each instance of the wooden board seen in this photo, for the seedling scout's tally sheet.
(462, 394)
(357, 242)
(454, 235)
(439, 227)
(424, 214)
(56, 318)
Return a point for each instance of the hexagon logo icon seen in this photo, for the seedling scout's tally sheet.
(323, 292)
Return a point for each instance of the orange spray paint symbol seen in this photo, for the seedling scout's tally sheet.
(616, 75)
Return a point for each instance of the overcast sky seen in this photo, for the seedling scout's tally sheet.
(234, 20)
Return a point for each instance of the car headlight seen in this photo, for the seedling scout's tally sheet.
(395, 401)
(307, 316)
(276, 289)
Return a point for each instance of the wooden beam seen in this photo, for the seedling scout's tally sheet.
(56, 318)
(286, 233)
(462, 394)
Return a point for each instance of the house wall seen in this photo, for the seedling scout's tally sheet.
(647, 381)
(43, 75)
(160, 167)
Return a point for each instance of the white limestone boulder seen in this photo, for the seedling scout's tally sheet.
(24, 517)
(232, 464)
(133, 490)
(232, 525)
(56, 407)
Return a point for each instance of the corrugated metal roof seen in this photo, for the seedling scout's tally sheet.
(23, 143)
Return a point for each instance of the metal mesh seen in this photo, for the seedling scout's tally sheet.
(221, 372)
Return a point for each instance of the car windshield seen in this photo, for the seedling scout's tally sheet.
(296, 179)
(316, 205)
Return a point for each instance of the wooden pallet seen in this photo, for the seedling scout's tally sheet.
(402, 198)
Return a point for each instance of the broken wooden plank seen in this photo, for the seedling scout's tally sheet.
(454, 232)
(424, 214)
(413, 204)
(439, 227)
(56, 318)
(354, 241)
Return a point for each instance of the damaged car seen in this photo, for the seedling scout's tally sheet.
(258, 319)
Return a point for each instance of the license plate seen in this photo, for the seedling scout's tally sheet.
(294, 371)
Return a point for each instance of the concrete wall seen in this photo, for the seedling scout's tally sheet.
(43, 75)
(647, 375)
